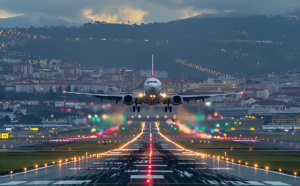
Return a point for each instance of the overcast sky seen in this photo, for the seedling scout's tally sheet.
(140, 11)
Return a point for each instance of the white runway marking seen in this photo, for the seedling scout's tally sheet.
(108, 163)
(150, 165)
(166, 171)
(39, 182)
(186, 159)
(245, 140)
(145, 177)
(153, 158)
(131, 170)
(107, 168)
(221, 168)
(70, 182)
(14, 183)
(276, 183)
(192, 163)
(254, 183)
(78, 182)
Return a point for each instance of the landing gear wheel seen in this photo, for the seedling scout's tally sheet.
(133, 109)
(170, 109)
(166, 109)
(138, 108)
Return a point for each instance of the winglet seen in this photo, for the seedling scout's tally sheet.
(152, 72)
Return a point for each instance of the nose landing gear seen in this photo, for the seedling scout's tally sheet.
(136, 108)
(168, 108)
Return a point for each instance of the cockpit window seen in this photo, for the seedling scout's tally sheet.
(152, 82)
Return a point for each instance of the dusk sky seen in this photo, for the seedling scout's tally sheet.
(139, 11)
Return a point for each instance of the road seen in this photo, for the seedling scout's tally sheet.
(149, 160)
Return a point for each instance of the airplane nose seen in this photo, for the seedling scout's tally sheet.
(152, 90)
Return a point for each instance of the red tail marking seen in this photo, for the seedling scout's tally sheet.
(152, 73)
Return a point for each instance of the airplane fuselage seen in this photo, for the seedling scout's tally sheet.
(152, 91)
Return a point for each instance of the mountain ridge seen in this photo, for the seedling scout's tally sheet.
(231, 45)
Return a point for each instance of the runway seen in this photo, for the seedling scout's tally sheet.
(150, 160)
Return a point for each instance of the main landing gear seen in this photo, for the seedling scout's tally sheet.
(168, 108)
(136, 108)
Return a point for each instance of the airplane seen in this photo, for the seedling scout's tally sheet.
(152, 95)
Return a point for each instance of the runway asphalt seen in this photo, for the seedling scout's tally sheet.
(150, 160)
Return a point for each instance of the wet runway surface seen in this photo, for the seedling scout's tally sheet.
(150, 160)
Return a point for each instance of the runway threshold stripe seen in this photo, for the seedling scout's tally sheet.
(197, 163)
(153, 158)
(70, 182)
(221, 168)
(13, 183)
(165, 171)
(38, 182)
(276, 183)
(145, 177)
(107, 163)
(105, 168)
(132, 170)
(151, 165)
(254, 183)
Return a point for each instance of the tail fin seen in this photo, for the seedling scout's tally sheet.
(152, 72)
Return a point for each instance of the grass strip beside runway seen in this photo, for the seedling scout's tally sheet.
(17, 161)
(284, 161)
(261, 156)
(227, 145)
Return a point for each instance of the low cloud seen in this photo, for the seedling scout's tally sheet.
(120, 15)
(190, 12)
(6, 14)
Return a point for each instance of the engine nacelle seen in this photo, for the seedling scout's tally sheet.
(128, 99)
(177, 100)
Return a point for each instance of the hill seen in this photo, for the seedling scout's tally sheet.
(231, 45)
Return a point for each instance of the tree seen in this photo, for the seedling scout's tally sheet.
(68, 88)
(51, 94)
(59, 91)
(8, 110)
(6, 120)
(30, 119)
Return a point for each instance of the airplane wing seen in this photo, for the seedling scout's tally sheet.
(187, 98)
(117, 97)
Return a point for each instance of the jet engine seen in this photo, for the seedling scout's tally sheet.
(128, 99)
(176, 100)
